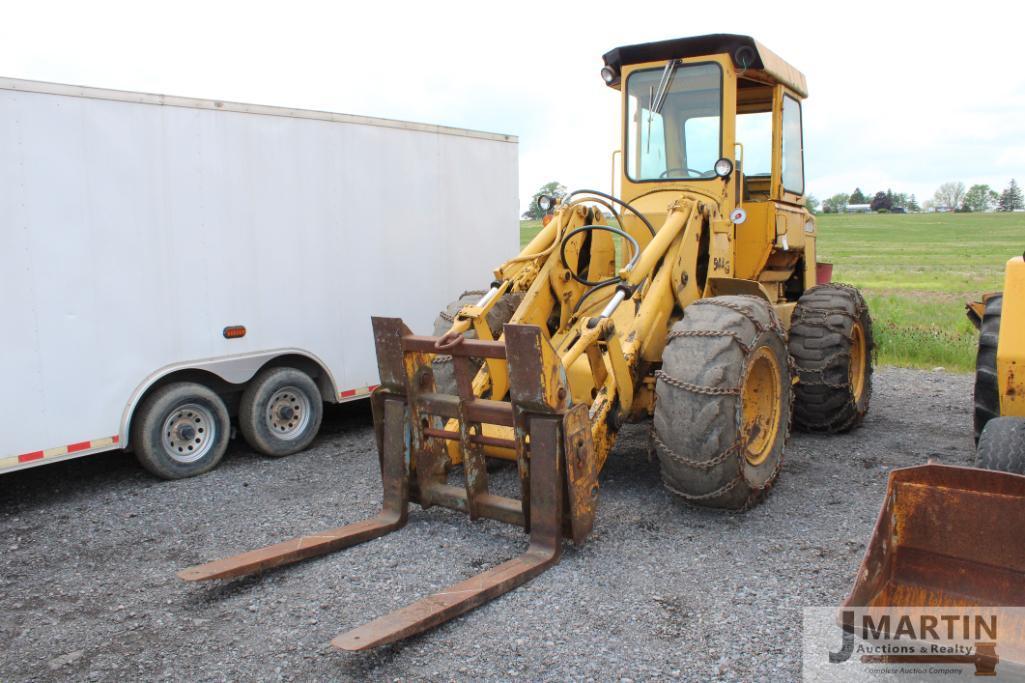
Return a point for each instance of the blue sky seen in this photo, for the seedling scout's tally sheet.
(902, 95)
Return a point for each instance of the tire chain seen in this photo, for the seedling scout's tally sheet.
(821, 315)
(757, 492)
(711, 333)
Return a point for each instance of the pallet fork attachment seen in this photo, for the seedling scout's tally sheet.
(554, 452)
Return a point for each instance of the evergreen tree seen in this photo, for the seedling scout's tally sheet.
(913, 204)
(857, 197)
(1011, 198)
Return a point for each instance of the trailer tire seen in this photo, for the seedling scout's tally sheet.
(723, 403)
(499, 315)
(1002, 445)
(831, 344)
(987, 390)
(180, 430)
(280, 412)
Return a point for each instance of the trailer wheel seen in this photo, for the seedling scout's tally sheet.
(831, 343)
(987, 391)
(1002, 445)
(499, 315)
(280, 412)
(723, 403)
(180, 430)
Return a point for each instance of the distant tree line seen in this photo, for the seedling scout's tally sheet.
(948, 197)
(880, 201)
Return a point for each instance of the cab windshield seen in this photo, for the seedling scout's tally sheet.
(677, 135)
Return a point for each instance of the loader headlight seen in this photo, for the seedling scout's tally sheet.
(723, 168)
(609, 75)
(545, 203)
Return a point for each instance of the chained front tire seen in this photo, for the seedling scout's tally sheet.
(831, 344)
(723, 403)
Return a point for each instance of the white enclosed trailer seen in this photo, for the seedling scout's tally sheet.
(141, 235)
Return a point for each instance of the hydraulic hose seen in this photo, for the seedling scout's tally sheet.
(635, 250)
(610, 198)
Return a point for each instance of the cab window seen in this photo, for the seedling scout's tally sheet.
(793, 146)
(674, 122)
(754, 132)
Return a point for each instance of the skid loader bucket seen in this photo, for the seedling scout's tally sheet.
(949, 537)
(554, 452)
(946, 536)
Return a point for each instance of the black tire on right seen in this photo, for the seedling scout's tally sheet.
(1002, 445)
(292, 390)
(987, 392)
(499, 315)
(821, 340)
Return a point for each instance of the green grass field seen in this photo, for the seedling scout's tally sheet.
(916, 271)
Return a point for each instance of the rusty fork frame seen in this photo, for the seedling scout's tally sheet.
(554, 451)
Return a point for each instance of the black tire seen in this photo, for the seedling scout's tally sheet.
(699, 424)
(987, 391)
(280, 412)
(499, 315)
(180, 430)
(1002, 445)
(824, 329)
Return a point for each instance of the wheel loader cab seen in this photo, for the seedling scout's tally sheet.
(719, 118)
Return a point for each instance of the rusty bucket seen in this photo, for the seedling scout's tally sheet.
(946, 536)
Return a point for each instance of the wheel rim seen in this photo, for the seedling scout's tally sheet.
(189, 432)
(288, 413)
(760, 406)
(859, 357)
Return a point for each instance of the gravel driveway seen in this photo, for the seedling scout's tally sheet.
(89, 548)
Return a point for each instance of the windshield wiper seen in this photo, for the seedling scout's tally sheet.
(657, 98)
(663, 86)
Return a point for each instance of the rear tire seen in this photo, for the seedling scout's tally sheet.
(723, 403)
(499, 315)
(831, 344)
(987, 391)
(1002, 445)
(180, 430)
(280, 412)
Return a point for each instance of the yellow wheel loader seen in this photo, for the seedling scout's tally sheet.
(952, 537)
(692, 299)
(1000, 373)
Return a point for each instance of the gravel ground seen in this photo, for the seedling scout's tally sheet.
(89, 548)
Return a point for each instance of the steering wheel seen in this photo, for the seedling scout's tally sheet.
(691, 173)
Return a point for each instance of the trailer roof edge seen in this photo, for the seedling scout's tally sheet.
(47, 88)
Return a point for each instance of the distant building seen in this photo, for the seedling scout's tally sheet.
(858, 208)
